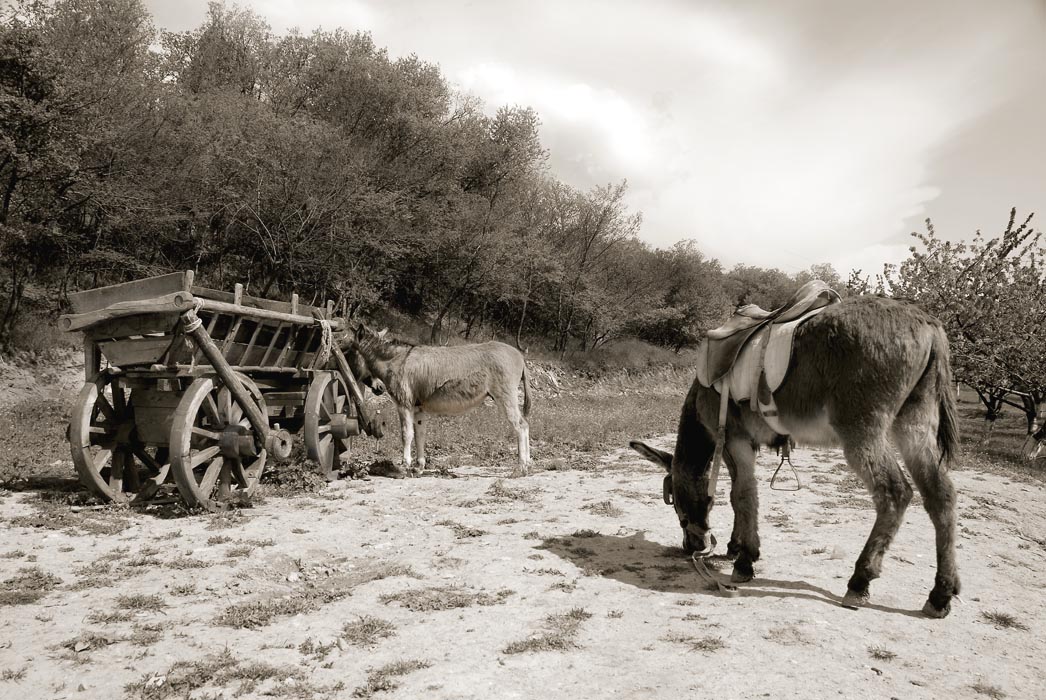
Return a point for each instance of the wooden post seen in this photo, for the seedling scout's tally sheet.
(237, 294)
(294, 303)
(354, 390)
(92, 360)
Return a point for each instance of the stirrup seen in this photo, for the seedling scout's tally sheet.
(786, 456)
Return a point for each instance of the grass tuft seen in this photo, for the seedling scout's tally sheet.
(444, 598)
(383, 679)
(367, 631)
(560, 633)
(881, 654)
(29, 585)
(1003, 620)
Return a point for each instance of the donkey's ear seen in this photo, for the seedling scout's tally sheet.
(361, 332)
(652, 454)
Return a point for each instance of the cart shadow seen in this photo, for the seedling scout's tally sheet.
(635, 561)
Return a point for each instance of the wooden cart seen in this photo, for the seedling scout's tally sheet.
(202, 387)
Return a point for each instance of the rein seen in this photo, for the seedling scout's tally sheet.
(710, 579)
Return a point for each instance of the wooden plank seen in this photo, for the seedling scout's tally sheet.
(135, 351)
(177, 301)
(141, 324)
(138, 290)
(285, 398)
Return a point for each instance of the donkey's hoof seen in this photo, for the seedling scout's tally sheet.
(740, 576)
(936, 613)
(855, 600)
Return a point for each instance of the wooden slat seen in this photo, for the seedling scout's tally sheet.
(177, 301)
(272, 343)
(283, 307)
(138, 290)
(266, 314)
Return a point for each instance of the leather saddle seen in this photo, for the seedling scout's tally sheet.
(751, 351)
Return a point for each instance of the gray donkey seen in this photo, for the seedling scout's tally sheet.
(865, 373)
(444, 381)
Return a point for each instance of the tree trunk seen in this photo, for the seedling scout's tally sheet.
(992, 400)
(522, 318)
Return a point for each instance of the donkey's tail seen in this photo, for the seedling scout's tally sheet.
(948, 422)
(526, 391)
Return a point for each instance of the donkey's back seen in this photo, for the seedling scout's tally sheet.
(451, 380)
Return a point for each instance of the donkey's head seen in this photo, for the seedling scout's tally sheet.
(365, 352)
(686, 484)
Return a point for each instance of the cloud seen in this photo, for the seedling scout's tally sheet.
(784, 133)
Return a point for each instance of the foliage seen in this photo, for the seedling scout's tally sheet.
(990, 294)
(317, 164)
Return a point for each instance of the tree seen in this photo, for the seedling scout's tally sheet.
(988, 293)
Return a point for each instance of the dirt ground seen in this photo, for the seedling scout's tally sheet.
(565, 584)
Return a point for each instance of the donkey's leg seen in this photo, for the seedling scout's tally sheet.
(919, 448)
(509, 405)
(407, 430)
(744, 500)
(421, 421)
(891, 493)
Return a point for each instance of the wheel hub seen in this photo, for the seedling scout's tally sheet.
(343, 426)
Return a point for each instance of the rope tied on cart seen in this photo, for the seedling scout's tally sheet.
(190, 327)
(323, 355)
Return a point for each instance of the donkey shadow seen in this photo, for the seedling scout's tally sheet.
(636, 561)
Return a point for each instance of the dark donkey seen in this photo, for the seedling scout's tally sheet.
(864, 373)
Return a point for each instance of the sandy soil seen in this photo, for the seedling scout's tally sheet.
(583, 566)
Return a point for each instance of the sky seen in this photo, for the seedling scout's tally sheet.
(780, 133)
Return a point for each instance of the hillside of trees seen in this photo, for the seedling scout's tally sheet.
(316, 163)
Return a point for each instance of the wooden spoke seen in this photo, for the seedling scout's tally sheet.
(116, 473)
(202, 456)
(206, 477)
(210, 477)
(106, 408)
(209, 434)
(211, 409)
(327, 399)
(110, 458)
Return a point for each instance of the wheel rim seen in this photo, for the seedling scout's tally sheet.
(109, 457)
(205, 477)
(327, 398)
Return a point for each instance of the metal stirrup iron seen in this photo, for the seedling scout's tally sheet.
(786, 456)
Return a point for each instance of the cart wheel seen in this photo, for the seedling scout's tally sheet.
(109, 457)
(330, 421)
(210, 474)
